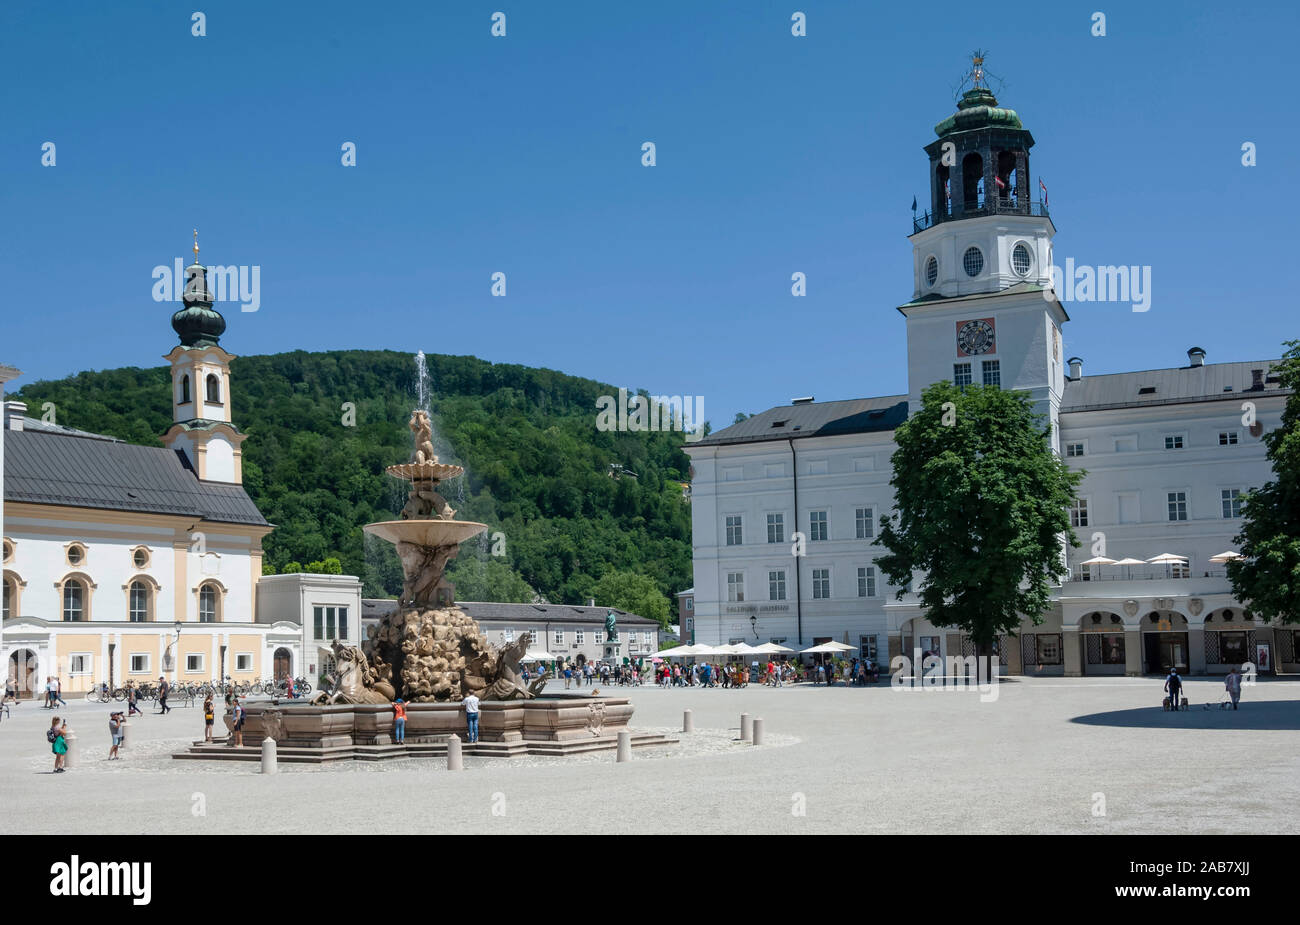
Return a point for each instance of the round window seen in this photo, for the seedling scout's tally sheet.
(972, 261)
(1020, 259)
(141, 558)
(75, 555)
(931, 271)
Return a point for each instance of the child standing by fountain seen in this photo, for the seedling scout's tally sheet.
(399, 722)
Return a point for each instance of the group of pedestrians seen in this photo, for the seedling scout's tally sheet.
(590, 674)
(1174, 690)
(53, 694)
(472, 709)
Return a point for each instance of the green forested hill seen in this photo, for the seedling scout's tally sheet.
(538, 470)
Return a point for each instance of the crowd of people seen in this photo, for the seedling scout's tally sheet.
(771, 673)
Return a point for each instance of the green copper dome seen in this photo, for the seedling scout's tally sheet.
(198, 323)
(978, 109)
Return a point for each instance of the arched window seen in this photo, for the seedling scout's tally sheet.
(9, 596)
(972, 178)
(139, 602)
(209, 601)
(74, 601)
(185, 389)
(214, 389)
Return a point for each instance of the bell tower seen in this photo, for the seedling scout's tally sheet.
(983, 311)
(200, 372)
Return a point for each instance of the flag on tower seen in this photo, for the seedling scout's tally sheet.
(1000, 182)
(913, 203)
(1042, 186)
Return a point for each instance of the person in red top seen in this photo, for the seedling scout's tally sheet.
(399, 721)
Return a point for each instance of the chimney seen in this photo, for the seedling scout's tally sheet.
(591, 602)
(1076, 368)
(14, 411)
(1196, 357)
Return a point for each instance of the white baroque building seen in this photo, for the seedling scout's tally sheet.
(1165, 450)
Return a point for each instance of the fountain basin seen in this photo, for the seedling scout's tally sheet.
(425, 471)
(426, 532)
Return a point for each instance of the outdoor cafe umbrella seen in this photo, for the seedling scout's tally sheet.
(1098, 560)
(1166, 559)
(1130, 562)
(771, 648)
(1226, 556)
(537, 655)
(827, 647)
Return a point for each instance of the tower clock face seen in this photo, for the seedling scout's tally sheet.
(976, 337)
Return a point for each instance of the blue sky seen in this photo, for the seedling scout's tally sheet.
(523, 155)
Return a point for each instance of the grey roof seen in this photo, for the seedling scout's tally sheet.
(814, 419)
(1211, 382)
(57, 465)
(521, 613)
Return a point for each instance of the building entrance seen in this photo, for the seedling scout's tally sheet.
(1165, 651)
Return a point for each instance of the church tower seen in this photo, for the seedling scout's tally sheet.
(982, 308)
(200, 369)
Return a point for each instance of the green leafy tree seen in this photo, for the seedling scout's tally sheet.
(634, 593)
(1267, 578)
(291, 568)
(981, 504)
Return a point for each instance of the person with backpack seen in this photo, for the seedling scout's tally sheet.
(132, 707)
(1174, 687)
(163, 690)
(57, 736)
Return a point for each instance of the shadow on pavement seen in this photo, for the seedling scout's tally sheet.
(1265, 714)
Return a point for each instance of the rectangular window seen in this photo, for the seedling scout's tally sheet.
(534, 635)
(579, 637)
(1232, 648)
(1130, 511)
(867, 647)
(734, 530)
(1174, 442)
(193, 664)
(343, 623)
(598, 637)
(690, 604)
(1227, 438)
(776, 586)
(559, 637)
(1074, 449)
(735, 587)
(510, 635)
(318, 621)
(1177, 505)
(139, 664)
(1126, 444)
(1049, 649)
(1079, 513)
(1112, 649)
(993, 372)
(961, 375)
(817, 525)
(79, 663)
(821, 578)
(1231, 502)
(329, 623)
(1180, 570)
(776, 528)
(244, 661)
(867, 581)
(865, 519)
(645, 638)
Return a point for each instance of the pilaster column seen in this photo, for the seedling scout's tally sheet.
(1196, 645)
(1070, 643)
(1132, 652)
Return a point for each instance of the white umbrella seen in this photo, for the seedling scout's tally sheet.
(701, 649)
(675, 652)
(771, 648)
(1130, 562)
(828, 647)
(537, 655)
(1098, 560)
(1167, 559)
(1226, 556)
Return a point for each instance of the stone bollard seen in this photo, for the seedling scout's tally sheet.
(758, 731)
(454, 760)
(268, 756)
(624, 746)
(688, 721)
(121, 730)
(70, 759)
(746, 727)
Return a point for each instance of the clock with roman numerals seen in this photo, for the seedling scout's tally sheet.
(976, 337)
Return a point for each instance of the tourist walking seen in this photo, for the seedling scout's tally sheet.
(208, 717)
(115, 732)
(568, 676)
(1174, 687)
(399, 721)
(1232, 684)
(237, 715)
(58, 691)
(132, 707)
(57, 735)
(163, 690)
(471, 705)
(49, 693)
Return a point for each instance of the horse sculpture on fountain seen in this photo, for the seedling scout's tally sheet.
(357, 681)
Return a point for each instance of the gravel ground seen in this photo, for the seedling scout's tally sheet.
(1047, 756)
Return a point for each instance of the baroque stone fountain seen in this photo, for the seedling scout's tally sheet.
(430, 653)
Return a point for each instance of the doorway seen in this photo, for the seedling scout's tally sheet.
(1165, 651)
(23, 672)
(283, 664)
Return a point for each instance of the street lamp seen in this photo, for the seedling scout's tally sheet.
(753, 624)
